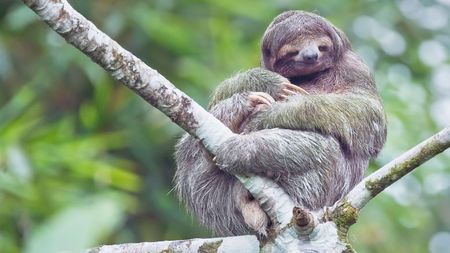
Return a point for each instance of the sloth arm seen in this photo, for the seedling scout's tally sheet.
(357, 120)
(231, 112)
(279, 152)
(190, 153)
(256, 80)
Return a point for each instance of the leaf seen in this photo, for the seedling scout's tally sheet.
(77, 227)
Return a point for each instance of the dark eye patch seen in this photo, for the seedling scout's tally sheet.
(291, 54)
(324, 48)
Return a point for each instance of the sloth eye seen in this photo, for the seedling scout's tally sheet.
(291, 54)
(324, 48)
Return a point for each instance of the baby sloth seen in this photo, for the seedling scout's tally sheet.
(316, 144)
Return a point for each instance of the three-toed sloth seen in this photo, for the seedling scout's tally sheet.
(316, 144)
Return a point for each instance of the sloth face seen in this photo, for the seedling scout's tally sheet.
(299, 44)
(304, 56)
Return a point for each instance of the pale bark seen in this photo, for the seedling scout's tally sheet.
(396, 169)
(243, 244)
(131, 71)
(151, 86)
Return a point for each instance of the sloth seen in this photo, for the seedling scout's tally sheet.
(309, 118)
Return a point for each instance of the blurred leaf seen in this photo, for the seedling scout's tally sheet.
(19, 164)
(18, 18)
(77, 227)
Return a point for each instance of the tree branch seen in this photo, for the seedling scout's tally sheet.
(156, 90)
(131, 71)
(345, 212)
(245, 243)
(396, 169)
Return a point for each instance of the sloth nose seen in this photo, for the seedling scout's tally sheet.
(309, 55)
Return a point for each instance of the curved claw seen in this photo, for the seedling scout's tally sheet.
(294, 88)
(282, 96)
(289, 92)
(261, 98)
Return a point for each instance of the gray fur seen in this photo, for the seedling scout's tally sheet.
(316, 146)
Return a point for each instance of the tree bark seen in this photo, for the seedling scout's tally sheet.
(246, 243)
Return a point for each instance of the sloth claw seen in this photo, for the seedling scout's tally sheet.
(257, 98)
(294, 88)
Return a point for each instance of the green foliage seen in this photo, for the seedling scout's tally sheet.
(84, 162)
(77, 226)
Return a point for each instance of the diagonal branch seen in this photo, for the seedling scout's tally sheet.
(156, 90)
(246, 243)
(375, 183)
(131, 71)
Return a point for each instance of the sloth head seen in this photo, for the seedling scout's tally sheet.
(299, 44)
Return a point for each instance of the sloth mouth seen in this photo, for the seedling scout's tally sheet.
(308, 78)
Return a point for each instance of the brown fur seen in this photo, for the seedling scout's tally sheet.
(315, 146)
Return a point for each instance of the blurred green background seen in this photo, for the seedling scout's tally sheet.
(84, 161)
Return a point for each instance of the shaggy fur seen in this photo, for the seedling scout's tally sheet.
(315, 146)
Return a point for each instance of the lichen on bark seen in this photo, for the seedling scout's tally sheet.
(210, 247)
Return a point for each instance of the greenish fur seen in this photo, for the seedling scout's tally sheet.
(256, 79)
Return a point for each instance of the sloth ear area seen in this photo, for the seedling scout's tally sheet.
(340, 41)
(266, 54)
